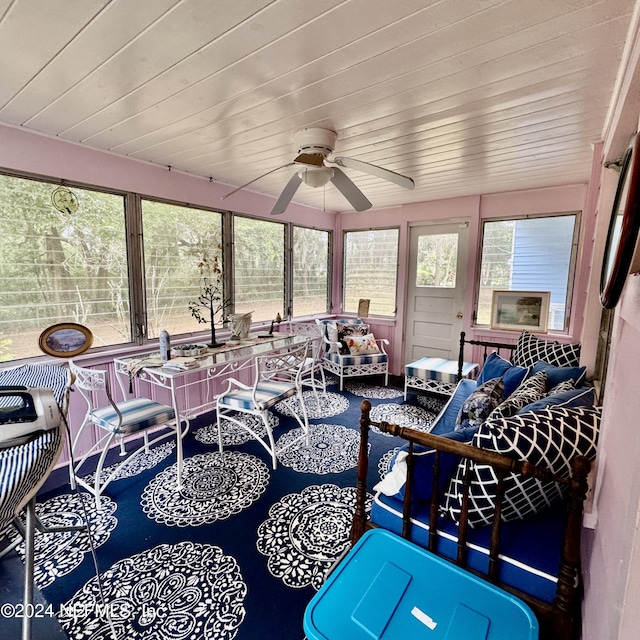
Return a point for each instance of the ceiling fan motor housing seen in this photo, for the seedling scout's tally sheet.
(315, 140)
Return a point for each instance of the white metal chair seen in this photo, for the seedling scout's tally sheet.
(346, 365)
(277, 377)
(118, 420)
(313, 371)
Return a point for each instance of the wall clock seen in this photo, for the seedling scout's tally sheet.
(623, 228)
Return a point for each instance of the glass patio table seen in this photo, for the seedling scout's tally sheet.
(192, 381)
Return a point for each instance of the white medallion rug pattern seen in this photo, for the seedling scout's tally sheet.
(306, 532)
(138, 464)
(59, 553)
(233, 434)
(378, 392)
(403, 415)
(332, 448)
(330, 404)
(215, 486)
(178, 591)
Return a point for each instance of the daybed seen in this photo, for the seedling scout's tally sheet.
(501, 496)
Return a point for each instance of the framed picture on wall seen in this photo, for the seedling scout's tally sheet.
(65, 340)
(520, 310)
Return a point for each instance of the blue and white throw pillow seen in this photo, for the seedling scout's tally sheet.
(583, 397)
(480, 403)
(496, 366)
(556, 375)
(530, 349)
(550, 438)
(529, 391)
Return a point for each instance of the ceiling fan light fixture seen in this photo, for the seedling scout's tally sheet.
(315, 177)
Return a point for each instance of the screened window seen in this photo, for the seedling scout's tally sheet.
(371, 270)
(310, 271)
(182, 254)
(68, 266)
(529, 254)
(259, 268)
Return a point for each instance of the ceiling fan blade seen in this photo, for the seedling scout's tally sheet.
(314, 159)
(350, 191)
(287, 193)
(227, 195)
(374, 170)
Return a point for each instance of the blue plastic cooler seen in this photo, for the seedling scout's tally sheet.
(390, 589)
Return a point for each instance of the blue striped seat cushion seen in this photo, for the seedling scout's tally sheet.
(346, 360)
(439, 369)
(137, 414)
(267, 394)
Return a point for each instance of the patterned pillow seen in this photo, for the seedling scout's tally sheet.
(549, 437)
(565, 385)
(529, 349)
(345, 330)
(360, 345)
(336, 331)
(529, 391)
(583, 397)
(556, 375)
(480, 403)
(332, 336)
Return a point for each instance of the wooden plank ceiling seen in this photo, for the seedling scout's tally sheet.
(465, 96)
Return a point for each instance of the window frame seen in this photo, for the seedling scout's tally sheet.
(572, 271)
(134, 241)
(128, 198)
(344, 267)
(290, 307)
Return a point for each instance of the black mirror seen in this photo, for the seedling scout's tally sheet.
(623, 228)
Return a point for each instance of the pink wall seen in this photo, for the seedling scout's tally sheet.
(50, 157)
(472, 209)
(611, 555)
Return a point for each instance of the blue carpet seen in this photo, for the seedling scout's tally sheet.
(239, 551)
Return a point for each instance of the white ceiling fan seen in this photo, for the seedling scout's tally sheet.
(316, 169)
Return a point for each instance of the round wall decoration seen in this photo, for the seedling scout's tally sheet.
(64, 200)
(65, 340)
(623, 228)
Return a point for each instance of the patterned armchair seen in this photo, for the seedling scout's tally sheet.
(351, 350)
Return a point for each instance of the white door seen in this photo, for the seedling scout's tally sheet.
(437, 274)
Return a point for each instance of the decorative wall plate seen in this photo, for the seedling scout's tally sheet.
(65, 340)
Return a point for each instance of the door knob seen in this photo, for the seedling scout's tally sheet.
(459, 315)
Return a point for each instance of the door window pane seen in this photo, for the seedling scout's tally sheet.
(258, 259)
(532, 254)
(310, 271)
(437, 260)
(371, 270)
(55, 266)
(182, 246)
